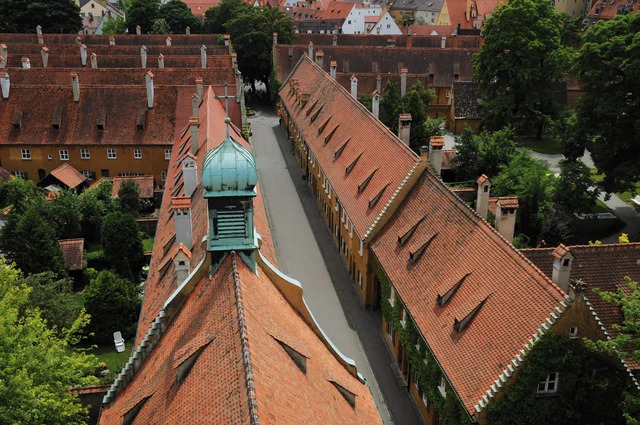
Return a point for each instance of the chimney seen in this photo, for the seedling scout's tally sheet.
(436, 143)
(275, 38)
(149, 83)
(78, 41)
(138, 30)
(26, 63)
(403, 81)
(4, 52)
(39, 30)
(203, 56)
(319, 58)
(3, 63)
(404, 127)
(239, 87)
(143, 56)
(227, 40)
(189, 175)
(375, 104)
(310, 50)
(94, 60)
(40, 39)
(482, 200)
(409, 38)
(181, 206)
(160, 60)
(168, 41)
(75, 85)
(577, 289)
(391, 42)
(83, 54)
(194, 122)
(332, 69)
(234, 60)
(443, 43)
(112, 40)
(199, 88)
(562, 261)
(182, 263)
(506, 216)
(379, 84)
(424, 153)
(187, 30)
(5, 83)
(335, 40)
(195, 106)
(354, 86)
(44, 53)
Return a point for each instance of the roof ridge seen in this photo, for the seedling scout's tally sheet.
(246, 354)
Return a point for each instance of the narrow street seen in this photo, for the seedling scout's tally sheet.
(306, 251)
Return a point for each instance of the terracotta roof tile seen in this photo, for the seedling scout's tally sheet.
(73, 252)
(483, 178)
(5, 175)
(508, 202)
(69, 176)
(145, 184)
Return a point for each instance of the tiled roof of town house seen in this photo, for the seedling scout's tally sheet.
(109, 61)
(120, 39)
(69, 176)
(334, 10)
(609, 9)
(372, 152)
(517, 297)
(5, 175)
(375, 40)
(508, 201)
(424, 30)
(73, 50)
(73, 252)
(145, 184)
(424, 5)
(465, 100)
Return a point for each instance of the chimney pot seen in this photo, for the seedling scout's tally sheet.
(203, 56)
(44, 53)
(83, 54)
(482, 199)
(138, 30)
(189, 175)
(195, 106)
(379, 84)
(75, 85)
(562, 261)
(94, 60)
(506, 216)
(227, 40)
(194, 122)
(333, 66)
(319, 58)
(403, 81)
(443, 43)
(26, 63)
(168, 41)
(275, 38)
(335, 40)
(187, 30)
(39, 30)
(78, 41)
(310, 50)
(40, 39)
(354, 86)
(200, 88)
(112, 40)
(149, 83)
(182, 220)
(234, 60)
(143, 56)
(160, 60)
(404, 128)
(375, 104)
(5, 83)
(436, 143)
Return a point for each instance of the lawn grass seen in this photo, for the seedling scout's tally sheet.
(108, 354)
(600, 207)
(549, 146)
(78, 300)
(147, 244)
(626, 196)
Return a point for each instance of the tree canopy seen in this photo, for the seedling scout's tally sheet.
(122, 244)
(178, 17)
(54, 298)
(483, 153)
(129, 197)
(143, 13)
(54, 16)
(115, 25)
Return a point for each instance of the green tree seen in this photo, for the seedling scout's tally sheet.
(37, 368)
(115, 25)
(571, 29)
(178, 17)
(54, 16)
(216, 17)
(520, 66)
(16, 191)
(390, 105)
(575, 190)
(608, 68)
(129, 197)
(143, 13)
(54, 298)
(416, 102)
(32, 243)
(367, 101)
(483, 153)
(122, 244)
(433, 127)
(95, 203)
(532, 183)
(65, 213)
(160, 26)
(114, 304)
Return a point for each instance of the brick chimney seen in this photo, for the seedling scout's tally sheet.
(75, 86)
(562, 261)
(181, 206)
(194, 122)
(319, 58)
(189, 175)
(354, 86)
(379, 84)
(148, 78)
(333, 66)
(436, 143)
(443, 42)
(161, 61)
(187, 30)
(78, 41)
(375, 104)
(203, 56)
(195, 106)
(143, 56)
(310, 50)
(5, 83)
(83, 54)
(403, 81)
(200, 88)
(239, 86)
(335, 40)
(168, 41)
(482, 199)
(404, 127)
(506, 216)
(112, 40)
(138, 30)
(182, 263)
(409, 38)
(26, 63)
(391, 42)
(44, 53)
(94, 60)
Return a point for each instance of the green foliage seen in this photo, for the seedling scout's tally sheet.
(178, 16)
(122, 243)
(114, 304)
(274, 85)
(65, 212)
(433, 127)
(37, 368)
(54, 298)
(608, 68)
(216, 17)
(95, 203)
(115, 25)
(483, 153)
(32, 242)
(590, 387)
(571, 29)
(143, 13)
(575, 190)
(389, 105)
(367, 101)
(160, 26)
(520, 66)
(54, 16)
(129, 197)
(17, 191)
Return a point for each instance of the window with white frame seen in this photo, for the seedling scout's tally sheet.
(549, 385)
(21, 174)
(391, 331)
(442, 387)
(64, 154)
(26, 153)
(337, 204)
(84, 154)
(111, 153)
(137, 154)
(344, 215)
(91, 175)
(167, 154)
(351, 230)
(573, 332)
(359, 279)
(448, 94)
(163, 175)
(346, 222)
(425, 400)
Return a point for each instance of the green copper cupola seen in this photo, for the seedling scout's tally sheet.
(229, 179)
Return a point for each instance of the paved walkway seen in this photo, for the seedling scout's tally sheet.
(306, 251)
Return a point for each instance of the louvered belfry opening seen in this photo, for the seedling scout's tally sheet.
(231, 224)
(229, 219)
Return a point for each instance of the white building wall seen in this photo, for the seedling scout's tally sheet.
(386, 25)
(354, 24)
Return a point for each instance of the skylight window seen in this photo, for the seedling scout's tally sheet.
(323, 126)
(365, 183)
(299, 359)
(326, 139)
(130, 416)
(442, 299)
(315, 115)
(185, 367)
(374, 201)
(348, 395)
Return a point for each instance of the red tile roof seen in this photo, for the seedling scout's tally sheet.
(608, 9)
(5, 175)
(145, 184)
(73, 252)
(520, 297)
(69, 176)
(340, 119)
(425, 30)
(508, 202)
